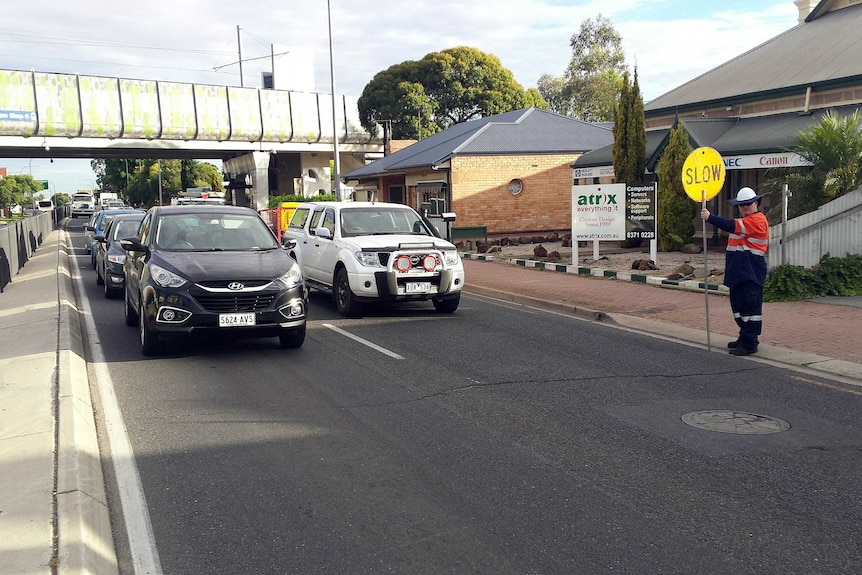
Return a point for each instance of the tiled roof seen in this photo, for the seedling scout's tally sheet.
(521, 132)
(824, 50)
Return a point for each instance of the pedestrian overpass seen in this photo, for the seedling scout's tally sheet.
(274, 141)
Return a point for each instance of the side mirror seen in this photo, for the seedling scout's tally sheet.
(288, 243)
(100, 238)
(323, 233)
(133, 245)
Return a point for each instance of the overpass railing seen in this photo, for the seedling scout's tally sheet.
(44, 104)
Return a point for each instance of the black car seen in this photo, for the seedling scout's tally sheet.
(110, 255)
(203, 268)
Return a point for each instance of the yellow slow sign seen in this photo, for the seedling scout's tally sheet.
(703, 174)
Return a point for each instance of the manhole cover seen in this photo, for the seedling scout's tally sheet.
(728, 421)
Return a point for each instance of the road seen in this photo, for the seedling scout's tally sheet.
(496, 440)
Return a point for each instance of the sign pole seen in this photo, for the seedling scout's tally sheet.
(705, 274)
(703, 177)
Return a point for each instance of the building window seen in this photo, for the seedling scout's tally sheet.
(432, 194)
(396, 194)
(516, 186)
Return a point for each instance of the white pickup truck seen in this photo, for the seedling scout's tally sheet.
(364, 252)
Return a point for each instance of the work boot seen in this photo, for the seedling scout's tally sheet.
(733, 344)
(742, 350)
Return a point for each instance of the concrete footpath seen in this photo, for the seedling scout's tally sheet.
(53, 508)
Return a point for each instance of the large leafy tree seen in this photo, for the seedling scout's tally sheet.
(593, 79)
(424, 97)
(676, 211)
(140, 185)
(18, 190)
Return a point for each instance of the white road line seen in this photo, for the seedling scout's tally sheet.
(142, 542)
(374, 346)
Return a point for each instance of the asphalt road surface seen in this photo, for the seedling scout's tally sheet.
(499, 439)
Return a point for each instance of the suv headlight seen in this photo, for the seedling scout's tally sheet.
(292, 278)
(165, 278)
(368, 259)
(451, 257)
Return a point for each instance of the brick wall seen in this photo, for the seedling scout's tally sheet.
(480, 192)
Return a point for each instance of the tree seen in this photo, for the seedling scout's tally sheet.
(424, 97)
(834, 146)
(593, 79)
(141, 184)
(629, 134)
(676, 211)
(18, 190)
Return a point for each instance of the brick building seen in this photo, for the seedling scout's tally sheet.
(510, 173)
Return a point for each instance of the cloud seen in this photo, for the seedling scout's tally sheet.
(671, 42)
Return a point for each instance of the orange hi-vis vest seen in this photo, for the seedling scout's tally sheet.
(745, 258)
(751, 234)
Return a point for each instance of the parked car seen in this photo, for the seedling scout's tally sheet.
(364, 252)
(198, 269)
(98, 221)
(110, 255)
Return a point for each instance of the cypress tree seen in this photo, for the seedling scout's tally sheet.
(636, 148)
(621, 135)
(676, 211)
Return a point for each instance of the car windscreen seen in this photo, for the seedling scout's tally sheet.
(125, 228)
(213, 232)
(380, 221)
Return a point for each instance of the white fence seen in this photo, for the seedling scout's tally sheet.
(834, 228)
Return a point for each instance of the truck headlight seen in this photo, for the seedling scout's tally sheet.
(369, 259)
(451, 257)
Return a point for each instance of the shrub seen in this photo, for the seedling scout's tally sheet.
(840, 276)
(832, 276)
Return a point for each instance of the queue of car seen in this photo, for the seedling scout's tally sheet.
(184, 270)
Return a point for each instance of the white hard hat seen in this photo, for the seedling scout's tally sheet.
(745, 196)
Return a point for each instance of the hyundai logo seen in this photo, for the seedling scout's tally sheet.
(235, 286)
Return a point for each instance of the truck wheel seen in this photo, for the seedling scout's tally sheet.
(345, 301)
(447, 305)
(292, 337)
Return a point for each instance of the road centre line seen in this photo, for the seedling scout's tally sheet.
(374, 346)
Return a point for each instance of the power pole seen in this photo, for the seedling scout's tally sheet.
(239, 53)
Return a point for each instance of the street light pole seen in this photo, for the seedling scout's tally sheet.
(336, 163)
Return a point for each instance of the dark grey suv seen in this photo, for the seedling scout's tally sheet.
(203, 268)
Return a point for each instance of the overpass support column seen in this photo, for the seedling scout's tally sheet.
(255, 165)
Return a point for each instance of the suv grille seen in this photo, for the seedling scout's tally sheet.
(238, 302)
(222, 284)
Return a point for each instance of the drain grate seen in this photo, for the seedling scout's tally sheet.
(739, 422)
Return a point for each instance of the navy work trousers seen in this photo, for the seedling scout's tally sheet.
(746, 302)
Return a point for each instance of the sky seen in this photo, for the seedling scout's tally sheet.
(669, 41)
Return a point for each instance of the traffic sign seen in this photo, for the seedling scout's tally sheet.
(703, 174)
(43, 183)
